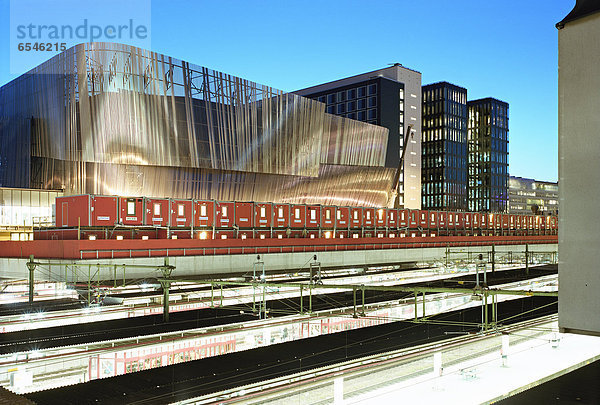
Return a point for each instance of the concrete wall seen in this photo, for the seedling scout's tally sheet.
(225, 265)
(579, 174)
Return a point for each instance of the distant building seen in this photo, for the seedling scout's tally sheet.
(390, 98)
(487, 140)
(527, 196)
(444, 147)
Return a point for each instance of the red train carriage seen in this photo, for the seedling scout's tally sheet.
(204, 213)
(131, 210)
(281, 215)
(263, 215)
(157, 212)
(181, 213)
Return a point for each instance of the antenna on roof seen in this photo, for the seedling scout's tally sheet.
(395, 64)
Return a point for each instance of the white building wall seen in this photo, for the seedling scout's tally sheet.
(579, 174)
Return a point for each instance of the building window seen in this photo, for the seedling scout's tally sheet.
(372, 114)
(362, 104)
(350, 106)
(338, 214)
(327, 214)
(361, 116)
(330, 98)
(156, 209)
(224, 210)
(263, 212)
(280, 212)
(313, 214)
(297, 212)
(351, 94)
(203, 210)
(341, 108)
(362, 91)
(330, 109)
(372, 89)
(372, 101)
(355, 215)
(130, 207)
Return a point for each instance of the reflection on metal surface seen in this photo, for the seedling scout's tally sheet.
(112, 118)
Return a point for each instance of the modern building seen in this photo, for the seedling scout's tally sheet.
(21, 209)
(444, 147)
(527, 196)
(391, 98)
(107, 118)
(487, 140)
(579, 168)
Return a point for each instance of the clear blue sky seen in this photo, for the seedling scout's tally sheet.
(504, 49)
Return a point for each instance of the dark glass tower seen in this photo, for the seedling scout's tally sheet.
(488, 155)
(444, 148)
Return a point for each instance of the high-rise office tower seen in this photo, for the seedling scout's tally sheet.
(391, 98)
(444, 147)
(487, 140)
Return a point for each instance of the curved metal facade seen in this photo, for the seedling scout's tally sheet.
(108, 118)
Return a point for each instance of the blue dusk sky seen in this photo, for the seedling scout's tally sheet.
(504, 49)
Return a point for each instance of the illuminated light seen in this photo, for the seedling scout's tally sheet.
(144, 237)
(402, 235)
(119, 237)
(262, 236)
(355, 236)
(327, 235)
(312, 235)
(203, 235)
(174, 237)
(223, 236)
(243, 236)
(433, 235)
(392, 235)
(412, 235)
(279, 236)
(92, 237)
(380, 235)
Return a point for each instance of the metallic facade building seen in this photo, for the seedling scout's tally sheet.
(389, 97)
(526, 196)
(444, 148)
(487, 140)
(109, 118)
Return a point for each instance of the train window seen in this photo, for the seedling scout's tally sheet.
(280, 212)
(456, 218)
(203, 210)
(355, 215)
(297, 212)
(433, 217)
(392, 217)
(368, 214)
(327, 214)
(263, 212)
(180, 210)
(130, 207)
(313, 214)
(156, 209)
(338, 214)
(224, 210)
(380, 214)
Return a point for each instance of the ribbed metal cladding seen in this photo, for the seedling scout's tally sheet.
(116, 119)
